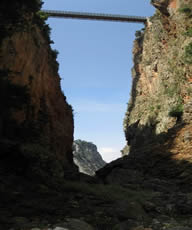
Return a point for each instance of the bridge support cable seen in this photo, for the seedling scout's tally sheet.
(94, 16)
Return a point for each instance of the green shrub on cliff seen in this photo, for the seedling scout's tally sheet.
(176, 111)
(40, 20)
(54, 53)
(53, 59)
(42, 15)
(186, 10)
(188, 53)
(188, 32)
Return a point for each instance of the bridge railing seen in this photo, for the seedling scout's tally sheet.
(94, 16)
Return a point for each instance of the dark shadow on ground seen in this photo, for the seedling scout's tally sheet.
(154, 156)
(150, 173)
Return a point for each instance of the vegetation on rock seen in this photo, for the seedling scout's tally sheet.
(176, 111)
(150, 189)
(188, 53)
(188, 32)
(187, 10)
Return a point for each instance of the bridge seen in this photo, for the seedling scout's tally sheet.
(94, 16)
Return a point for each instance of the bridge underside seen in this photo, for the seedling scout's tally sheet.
(94, 16)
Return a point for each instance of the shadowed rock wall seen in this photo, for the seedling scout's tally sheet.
(34, 114)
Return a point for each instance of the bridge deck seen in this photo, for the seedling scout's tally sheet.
(95, 16)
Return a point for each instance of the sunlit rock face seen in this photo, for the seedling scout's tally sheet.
(168, 7)
(34, 113)
(162, 90)
(86, 157)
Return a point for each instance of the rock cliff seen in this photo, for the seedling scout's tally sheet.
(151, 188)
(162, 91)
(86, 157)
(35, 119)
(158, 122)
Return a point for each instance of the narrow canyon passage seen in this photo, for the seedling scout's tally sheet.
(41, 188)
(94, 87)
(95, 66)
(95, 63)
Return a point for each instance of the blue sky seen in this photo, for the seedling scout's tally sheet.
(95, 66)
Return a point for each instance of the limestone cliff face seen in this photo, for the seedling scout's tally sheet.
(34, 112)
(162, 77)
(86, 157)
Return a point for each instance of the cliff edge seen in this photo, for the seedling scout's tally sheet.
(161, 96)
(36, 122)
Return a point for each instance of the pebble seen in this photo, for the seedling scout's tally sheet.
(59, 228)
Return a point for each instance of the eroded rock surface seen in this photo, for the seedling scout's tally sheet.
(36, 122)
(162, 90)
(86, 157)
(151, 188)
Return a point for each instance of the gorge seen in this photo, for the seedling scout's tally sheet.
(150, 187)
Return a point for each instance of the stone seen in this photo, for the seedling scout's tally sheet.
(179, 228)
(129, 210)
(141, 228)
(187, 136)
(86, 157)
(74, 224)
(21, 221)
(60, 228)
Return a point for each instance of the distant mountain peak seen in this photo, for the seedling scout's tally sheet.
(86, 157)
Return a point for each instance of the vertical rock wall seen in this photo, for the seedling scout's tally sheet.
(34, 113)
(162, 90)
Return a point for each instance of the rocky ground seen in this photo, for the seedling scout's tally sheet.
(133, 193)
